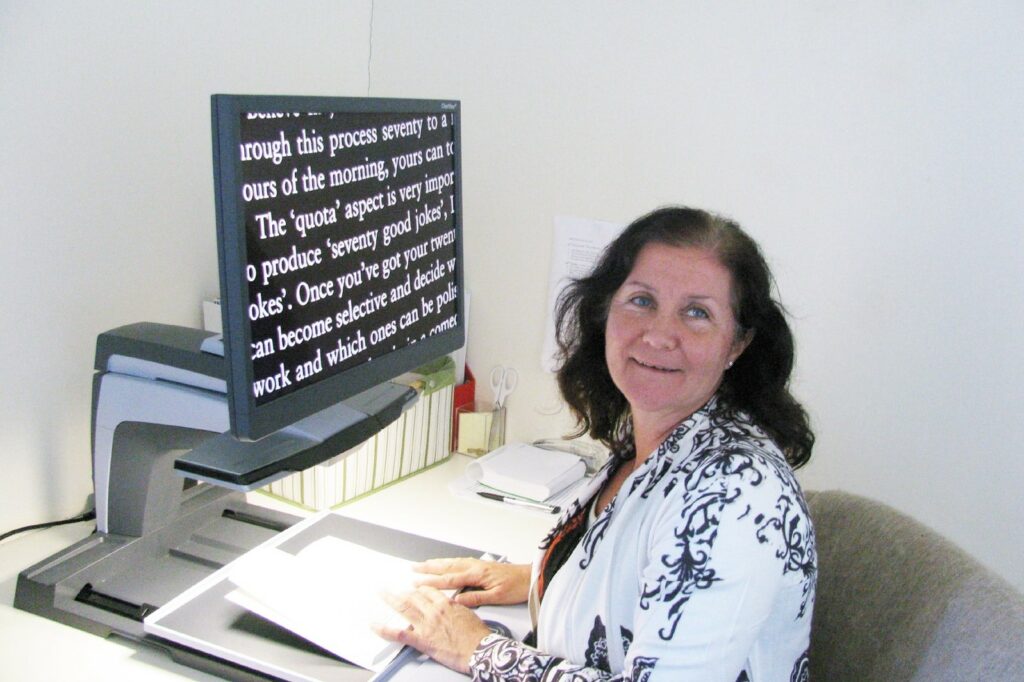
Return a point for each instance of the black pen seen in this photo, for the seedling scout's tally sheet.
(521, 503)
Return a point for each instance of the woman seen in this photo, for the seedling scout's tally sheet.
(691, 556)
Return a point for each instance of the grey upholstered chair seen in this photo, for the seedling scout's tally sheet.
(897, 602)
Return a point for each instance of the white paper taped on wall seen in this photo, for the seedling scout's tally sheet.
(578, 243)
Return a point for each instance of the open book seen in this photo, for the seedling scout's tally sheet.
(328, 593)
(527, 471)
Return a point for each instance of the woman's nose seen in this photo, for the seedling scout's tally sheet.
(661, 333)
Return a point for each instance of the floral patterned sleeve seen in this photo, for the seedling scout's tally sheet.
(501, 659)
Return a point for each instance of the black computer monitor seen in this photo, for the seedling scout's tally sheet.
(339, 237)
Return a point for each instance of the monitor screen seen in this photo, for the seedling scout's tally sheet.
(340, 247)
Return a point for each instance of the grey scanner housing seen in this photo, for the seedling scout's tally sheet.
(162, 395)
(159, 427)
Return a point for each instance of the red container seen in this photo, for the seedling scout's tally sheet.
(465, 394)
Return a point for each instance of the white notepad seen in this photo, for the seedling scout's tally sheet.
(527, 471)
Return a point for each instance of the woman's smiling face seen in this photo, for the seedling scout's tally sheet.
(671, 333)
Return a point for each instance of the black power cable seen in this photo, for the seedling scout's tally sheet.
(87, 516)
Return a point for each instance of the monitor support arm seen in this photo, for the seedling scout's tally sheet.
(140, 426)
(160, 418)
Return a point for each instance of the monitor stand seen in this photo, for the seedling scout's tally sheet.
(227, 461)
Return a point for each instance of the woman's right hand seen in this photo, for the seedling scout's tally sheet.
(485, 582)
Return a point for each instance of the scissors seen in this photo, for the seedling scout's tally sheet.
(503, 381)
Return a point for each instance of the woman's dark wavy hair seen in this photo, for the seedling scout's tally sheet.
(757, 383)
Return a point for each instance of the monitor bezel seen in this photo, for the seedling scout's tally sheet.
(252, 421)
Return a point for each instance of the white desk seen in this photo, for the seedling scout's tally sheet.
(34, 648)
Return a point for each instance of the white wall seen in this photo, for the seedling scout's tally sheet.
(107, 193)
(875, 149)
(872, 148)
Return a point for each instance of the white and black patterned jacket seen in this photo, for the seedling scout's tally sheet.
(702, 568)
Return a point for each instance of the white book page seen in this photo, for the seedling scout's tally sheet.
(328, 593)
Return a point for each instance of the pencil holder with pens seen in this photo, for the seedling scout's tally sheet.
(481, 428)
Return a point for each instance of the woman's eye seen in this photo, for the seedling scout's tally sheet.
(641, 300)
(697, 313)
